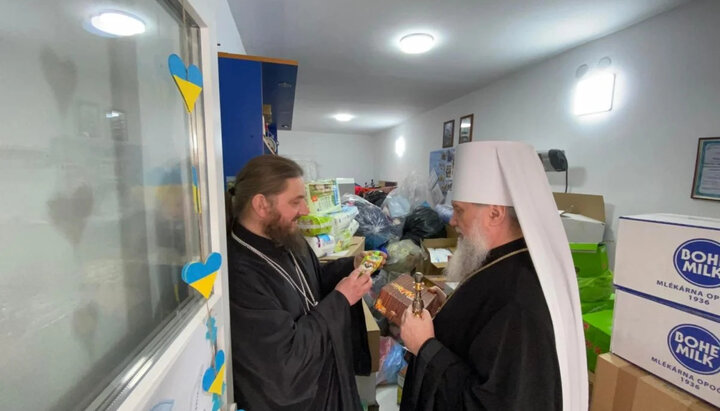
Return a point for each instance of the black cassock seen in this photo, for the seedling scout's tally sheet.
(284, 359)
(494, 347)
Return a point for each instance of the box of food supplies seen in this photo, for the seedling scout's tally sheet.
(438, 252)
(590, 259)
(680, 346)
(582, 216)
(671, 257)
(356, 247)
(619, 385)
(598, 328)
(322, 196)
(582, 229)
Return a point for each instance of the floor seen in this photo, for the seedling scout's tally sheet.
(387, 397)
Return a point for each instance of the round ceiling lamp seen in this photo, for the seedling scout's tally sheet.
(118, 23)
(343, 117)
(416, 43)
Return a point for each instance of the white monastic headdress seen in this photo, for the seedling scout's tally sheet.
(510, 173)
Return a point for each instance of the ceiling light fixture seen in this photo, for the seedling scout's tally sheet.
(343, 117)
(594, 93)
(400, 146)
(118, 23)
(416, 43)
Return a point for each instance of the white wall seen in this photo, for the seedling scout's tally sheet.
(228, 37)
(336, 155)
(641, 155)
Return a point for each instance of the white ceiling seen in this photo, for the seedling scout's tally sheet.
(349, 60)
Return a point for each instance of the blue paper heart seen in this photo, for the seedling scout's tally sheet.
(177, 68)
(211, 333)
(211, 373)
(196, 271)
(217, 402)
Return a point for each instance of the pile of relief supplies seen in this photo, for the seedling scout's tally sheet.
(330, 226)
(597, 297)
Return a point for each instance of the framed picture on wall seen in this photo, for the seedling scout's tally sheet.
(466, 129)
(706, 182)
(448, 133)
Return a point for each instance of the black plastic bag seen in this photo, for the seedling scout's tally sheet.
(422, 223)
(375, 226)
(376, 197)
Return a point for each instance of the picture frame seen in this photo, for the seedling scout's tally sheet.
(448, 133)
(466, 129)
(706, 179)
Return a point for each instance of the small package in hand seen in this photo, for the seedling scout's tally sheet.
(371, 262)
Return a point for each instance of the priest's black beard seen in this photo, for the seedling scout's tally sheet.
(285, 235)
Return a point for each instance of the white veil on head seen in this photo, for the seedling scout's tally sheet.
(510, 173)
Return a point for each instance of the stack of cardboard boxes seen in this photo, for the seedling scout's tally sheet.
(621, 386)
(667, 308)
(583, 217)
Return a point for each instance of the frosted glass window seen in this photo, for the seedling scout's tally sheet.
(96, 207)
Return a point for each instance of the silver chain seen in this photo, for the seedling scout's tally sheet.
(304, 288)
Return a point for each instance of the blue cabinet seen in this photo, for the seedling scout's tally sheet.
(248, 83)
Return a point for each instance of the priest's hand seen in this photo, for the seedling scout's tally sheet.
(415, 331)
(354, 286)
(439, 294)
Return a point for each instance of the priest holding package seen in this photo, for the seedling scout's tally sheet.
(510, 337)
(298, 329)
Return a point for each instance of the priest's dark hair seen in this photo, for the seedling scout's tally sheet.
(266, 175)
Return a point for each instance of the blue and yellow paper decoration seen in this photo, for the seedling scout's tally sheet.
(214, 377)
(211, 333)
(188, 80)
(217, 400)
(202, 276)
(196, 191)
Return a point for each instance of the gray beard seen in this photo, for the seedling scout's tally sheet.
(469, 256)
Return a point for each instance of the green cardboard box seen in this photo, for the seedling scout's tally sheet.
(590, 259)
(594, 306)
(598, 329)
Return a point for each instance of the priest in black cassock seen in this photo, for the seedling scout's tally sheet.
(298, 330)
(510, 336)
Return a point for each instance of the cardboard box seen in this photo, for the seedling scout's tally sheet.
(436, 269)
(589, 205)
(673, 257)
(677, 346)
(345, 186)
(615, 383)
(373, 336)
(590, 259)
(598, 328)
(322, 196)
(652, 393)
(621, 386)
(357, 246)
(582, 229)
(450, 231)
(582, 216)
